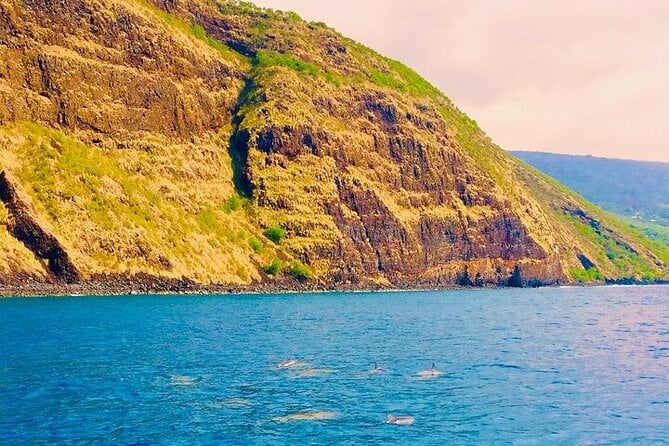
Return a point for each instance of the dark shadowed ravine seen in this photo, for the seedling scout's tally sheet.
(546, 366)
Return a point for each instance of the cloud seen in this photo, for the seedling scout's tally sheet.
(575, 76)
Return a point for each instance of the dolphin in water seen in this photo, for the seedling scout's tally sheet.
(289, 364)
(378, 369)
(431, 373)
(400, 420)
(373, 371)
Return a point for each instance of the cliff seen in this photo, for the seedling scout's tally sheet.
(183, 143)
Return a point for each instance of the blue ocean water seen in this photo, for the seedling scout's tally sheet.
(545, 366)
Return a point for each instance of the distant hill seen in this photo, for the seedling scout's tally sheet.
(634, 189)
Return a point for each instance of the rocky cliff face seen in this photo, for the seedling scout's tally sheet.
(217, 143)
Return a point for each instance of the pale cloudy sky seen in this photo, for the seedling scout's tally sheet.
(570, 76)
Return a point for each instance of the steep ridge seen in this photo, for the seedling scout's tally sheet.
(218, 143)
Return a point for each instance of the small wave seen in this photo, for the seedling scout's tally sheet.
(231, 403)
(497, 366)
(658, 351)
(547, 371)
(183, 380)
(561, 382)
(651, 378)
(236, 402)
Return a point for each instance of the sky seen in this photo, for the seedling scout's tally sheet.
(587, 77)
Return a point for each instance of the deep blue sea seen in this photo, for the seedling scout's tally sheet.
(526, 367)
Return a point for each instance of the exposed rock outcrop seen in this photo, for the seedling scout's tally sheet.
(24, 226)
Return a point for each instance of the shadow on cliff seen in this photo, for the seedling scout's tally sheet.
(25, 228)
(238, 145)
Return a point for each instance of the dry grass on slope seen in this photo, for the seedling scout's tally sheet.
(153, 207)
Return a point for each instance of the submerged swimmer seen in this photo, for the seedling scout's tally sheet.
(432, 373)
(236, 402)
(182, 380)
(374, 371)
(308, 373)
(378, 369)
(400, 420)
(308, 416)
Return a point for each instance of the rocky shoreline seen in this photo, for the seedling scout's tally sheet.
(147, 285)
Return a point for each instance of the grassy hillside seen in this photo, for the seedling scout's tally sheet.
(219, 143)
(653, 231)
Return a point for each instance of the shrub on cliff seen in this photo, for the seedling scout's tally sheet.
(256, 245)
(275, 233)
(273, 268)
(587, 275)
(299, 271)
